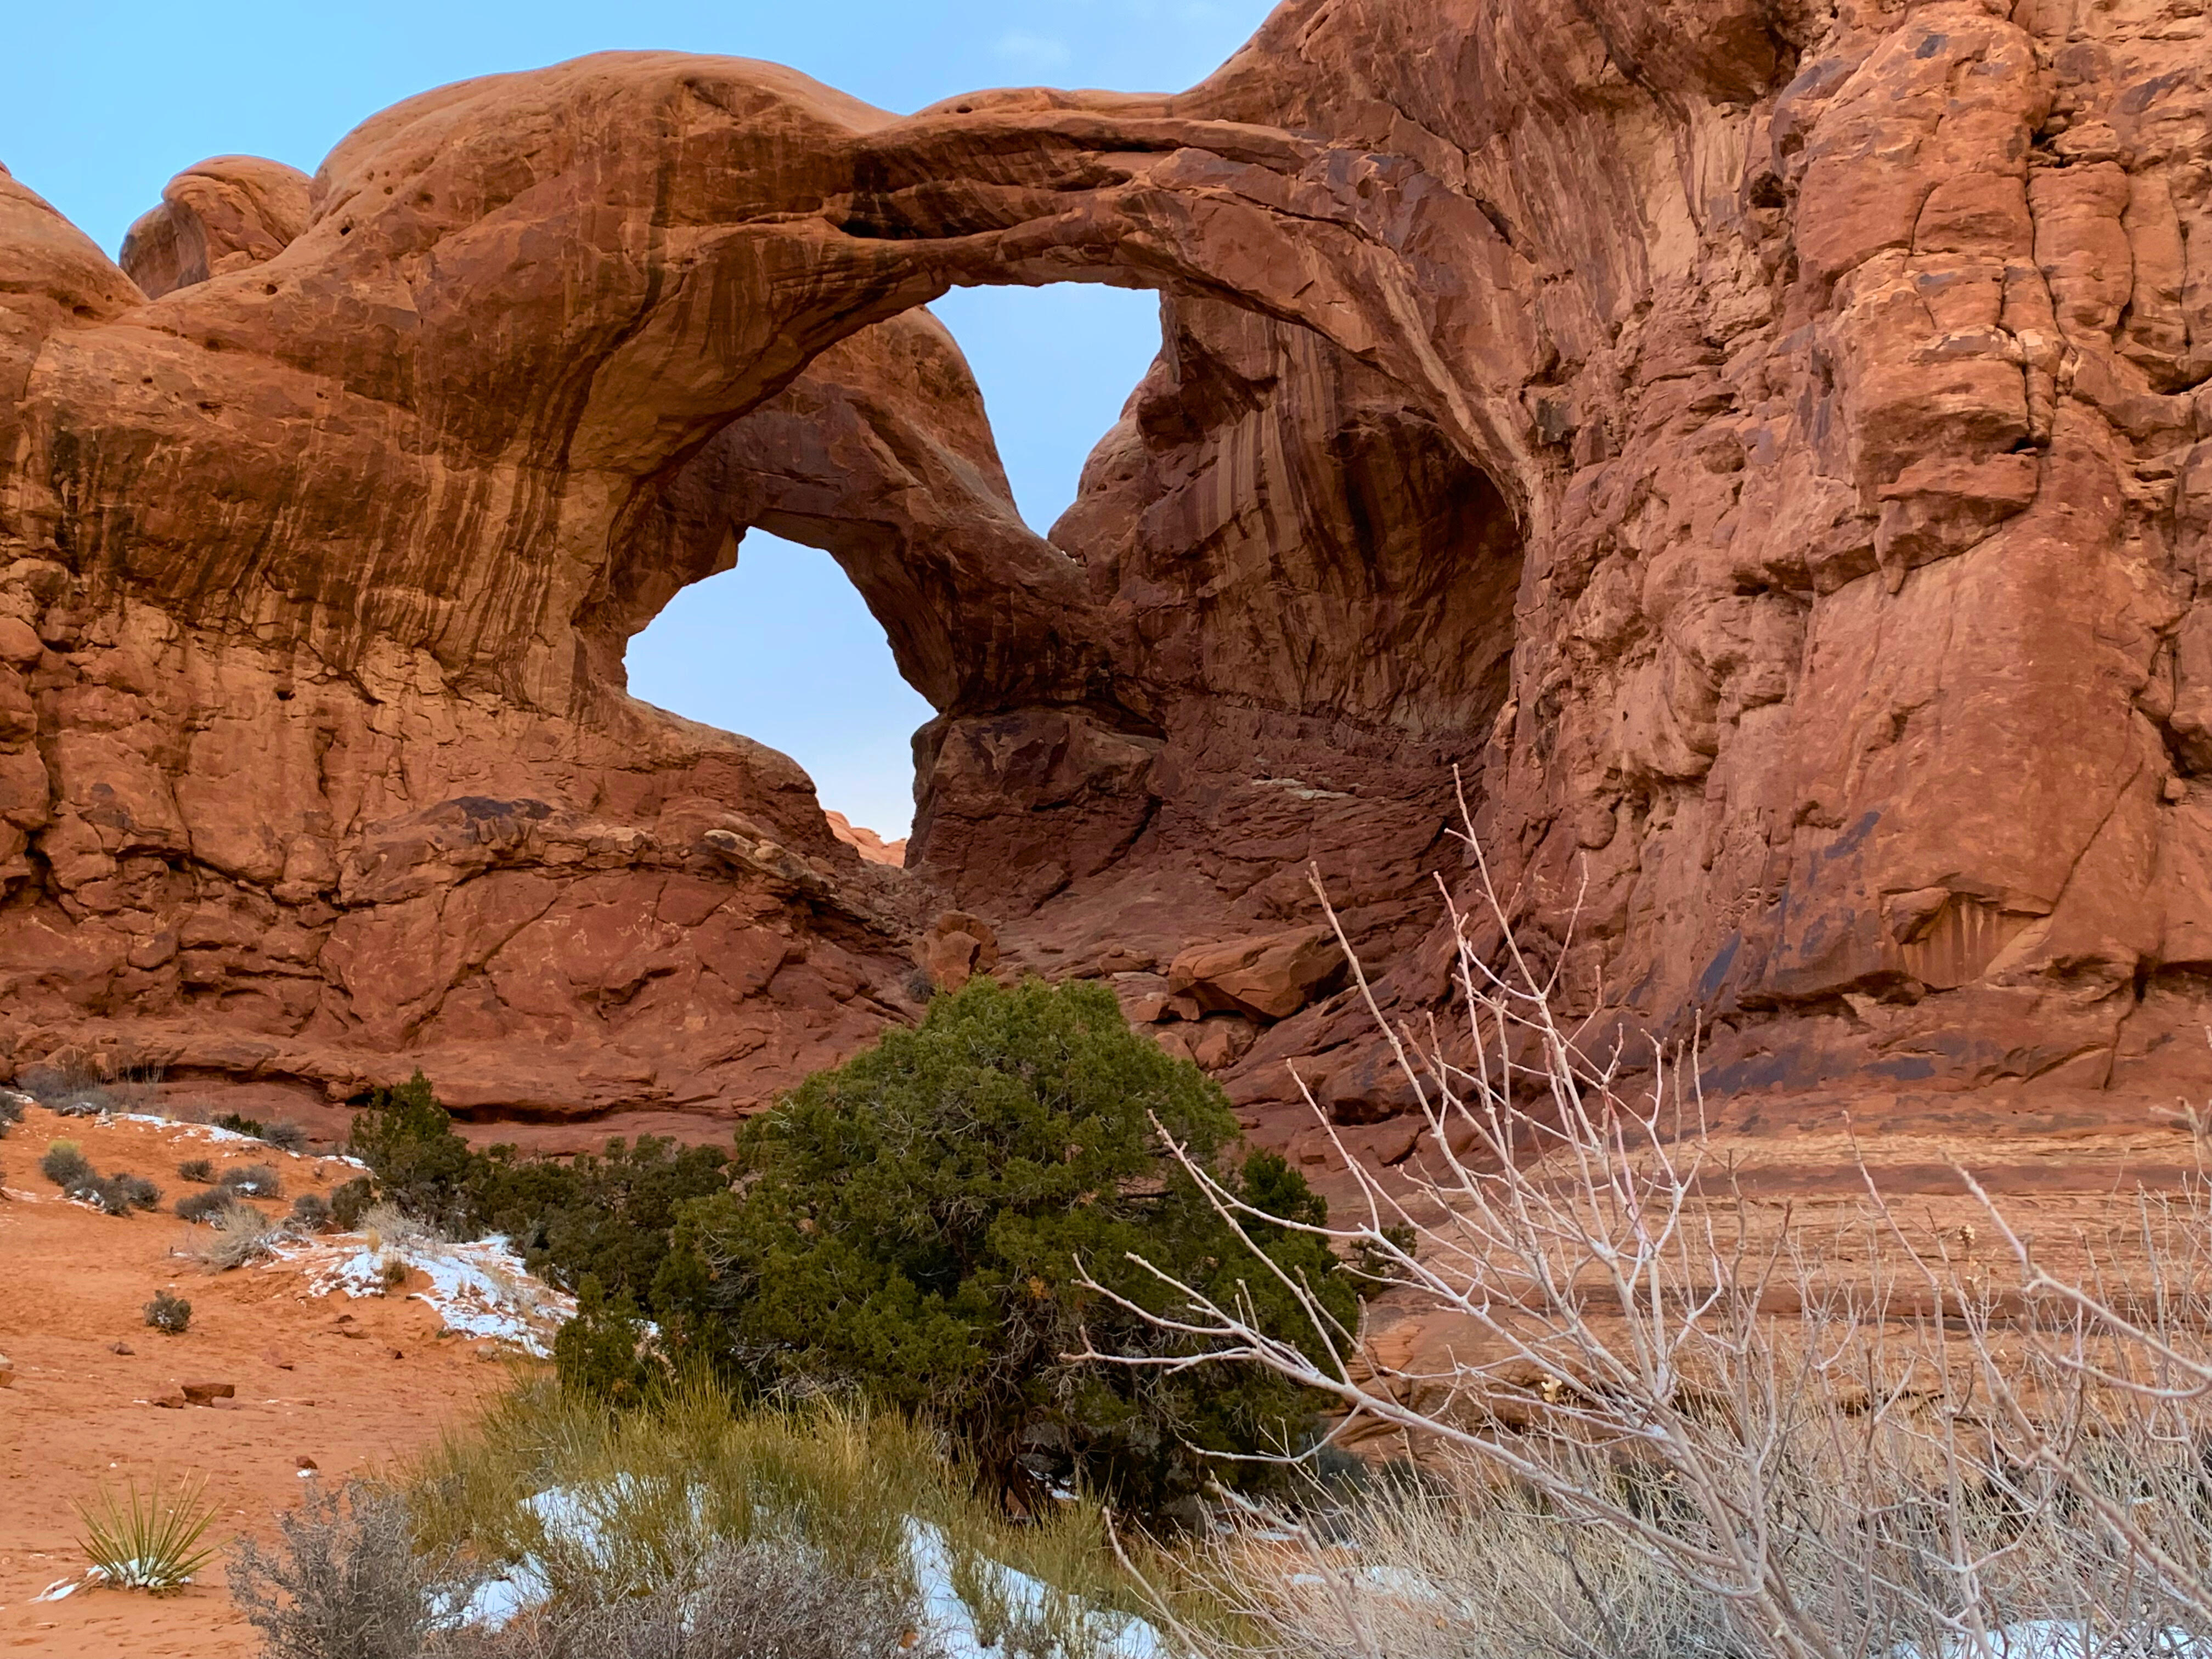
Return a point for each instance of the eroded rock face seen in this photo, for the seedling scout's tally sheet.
(1765, 451)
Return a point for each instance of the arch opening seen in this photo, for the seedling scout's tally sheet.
(808, 640)
(782, 649)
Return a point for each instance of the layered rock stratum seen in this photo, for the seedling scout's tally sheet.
(1764, 452)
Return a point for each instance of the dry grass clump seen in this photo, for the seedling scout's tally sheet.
(199, 1172)
(696, 1531)
(1671, 1424)
(642, 1502)
(238, 1235)
(350, 1579)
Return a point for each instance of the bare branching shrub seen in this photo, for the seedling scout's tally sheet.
(285, 1137)
(1673, 1422)
(198, 1170)
(240, 1234)
(757, 1601)
(344, 1582)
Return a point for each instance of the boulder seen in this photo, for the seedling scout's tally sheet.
(956, 947)
(1270, 976)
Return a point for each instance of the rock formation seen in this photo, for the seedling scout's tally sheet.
(865, 841)
(1767, 449)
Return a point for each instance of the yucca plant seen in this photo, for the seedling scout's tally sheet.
(150, 1540)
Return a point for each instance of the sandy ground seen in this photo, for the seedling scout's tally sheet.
(348, 1394)
(354, 1393)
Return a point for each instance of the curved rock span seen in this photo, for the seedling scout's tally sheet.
(1765, 450)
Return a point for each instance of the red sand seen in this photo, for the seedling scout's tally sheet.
(73, 1282)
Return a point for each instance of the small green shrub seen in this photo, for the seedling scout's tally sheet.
(239, 1124)
(168, 1312)
(607, 1217)
(120, 1194)
(109, 1194)
(196, 1169)
(600, 1353)
(66, 1166)
(252, 1180)
(422, 1168)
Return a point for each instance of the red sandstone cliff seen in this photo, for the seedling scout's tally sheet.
(1767, 449)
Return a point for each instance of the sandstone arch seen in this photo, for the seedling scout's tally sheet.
(1839, 370)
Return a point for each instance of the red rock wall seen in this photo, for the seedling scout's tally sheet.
(1766, 450)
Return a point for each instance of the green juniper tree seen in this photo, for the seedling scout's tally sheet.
(604, 1219)
(914, 1224)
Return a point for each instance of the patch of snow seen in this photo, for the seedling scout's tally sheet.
(497, 1603)
(947, 1617)
(577, 1517)
(136, 1575)
(479, 1289)
(191, 1131)
(2054, 1638)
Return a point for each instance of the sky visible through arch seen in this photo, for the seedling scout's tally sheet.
(100, 105)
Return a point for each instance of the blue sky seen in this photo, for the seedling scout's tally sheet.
(100, 104)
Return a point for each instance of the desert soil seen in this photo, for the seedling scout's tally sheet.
(350, 1385)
